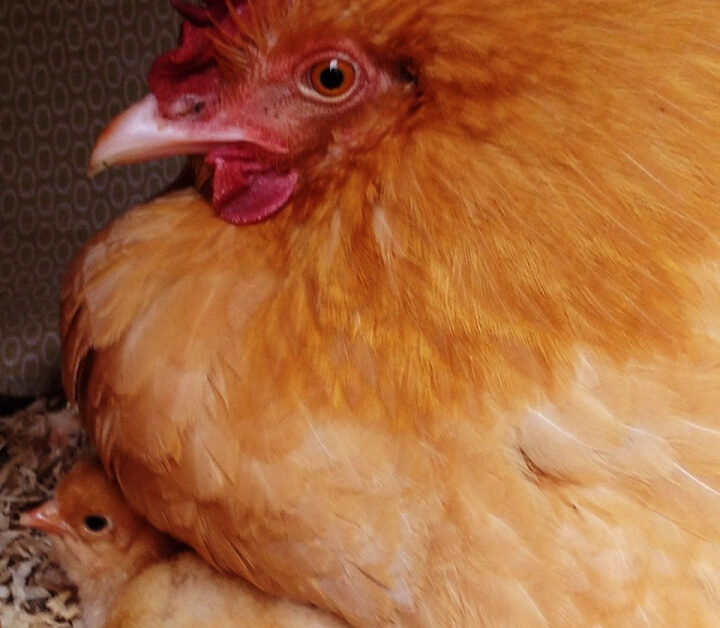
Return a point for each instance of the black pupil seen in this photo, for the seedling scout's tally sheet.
(95, 523)
(332, 77)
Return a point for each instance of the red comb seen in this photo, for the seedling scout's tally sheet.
(213, 10)
(189, 73)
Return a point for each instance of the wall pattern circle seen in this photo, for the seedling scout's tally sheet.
(66, 68)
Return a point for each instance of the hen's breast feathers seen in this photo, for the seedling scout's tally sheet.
(472, 375)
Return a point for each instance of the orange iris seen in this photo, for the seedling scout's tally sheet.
(332, 77)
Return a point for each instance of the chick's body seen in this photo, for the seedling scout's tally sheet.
(184, 592)
(468, 375)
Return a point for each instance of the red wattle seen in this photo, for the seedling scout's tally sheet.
(245, 191)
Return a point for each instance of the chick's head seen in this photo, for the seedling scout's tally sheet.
(94, 531)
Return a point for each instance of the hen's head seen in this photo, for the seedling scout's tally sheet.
(276, 94)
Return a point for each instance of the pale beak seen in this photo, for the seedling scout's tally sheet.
(47, 518)
(141, 133)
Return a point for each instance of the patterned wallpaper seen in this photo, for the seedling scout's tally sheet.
(66, 67)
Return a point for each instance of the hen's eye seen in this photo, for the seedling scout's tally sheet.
(332, 78)
(95, 523)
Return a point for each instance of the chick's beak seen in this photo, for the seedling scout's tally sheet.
(45, 517)
(142, 133)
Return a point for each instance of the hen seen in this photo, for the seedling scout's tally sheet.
(456, 363)
(129, 575)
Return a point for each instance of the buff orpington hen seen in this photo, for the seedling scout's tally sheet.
(130, 575)
(435, 340)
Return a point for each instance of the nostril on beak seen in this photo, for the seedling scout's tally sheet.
(185, 107)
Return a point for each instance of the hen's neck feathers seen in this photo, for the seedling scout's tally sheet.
(531, 209)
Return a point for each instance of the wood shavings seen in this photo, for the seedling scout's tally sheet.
(37, 446)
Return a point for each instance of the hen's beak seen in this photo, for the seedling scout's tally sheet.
(45, 517)
(141, 133)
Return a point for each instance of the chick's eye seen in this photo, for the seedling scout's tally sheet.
(95, 523)
(332, 78)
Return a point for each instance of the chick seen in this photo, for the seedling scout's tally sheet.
(97, 539)
(130, 575)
